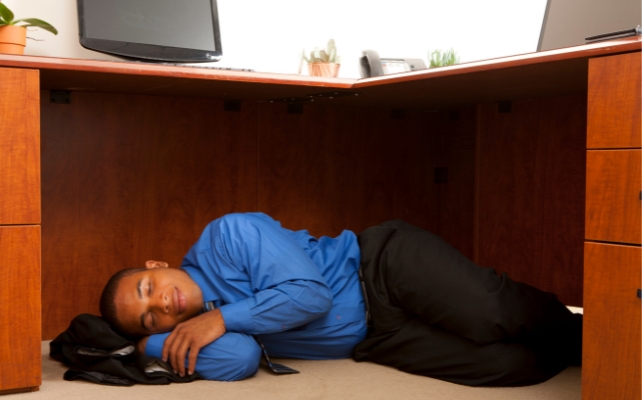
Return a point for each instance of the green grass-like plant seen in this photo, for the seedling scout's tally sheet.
(440, 58)
(7, 18)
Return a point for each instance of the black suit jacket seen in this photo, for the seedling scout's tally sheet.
(95, 352)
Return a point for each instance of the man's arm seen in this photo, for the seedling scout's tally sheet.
(231, 357)
(284, 287)
(268, 282)
(188, 337)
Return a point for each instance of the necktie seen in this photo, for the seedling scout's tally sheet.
(276, 368)
(208, 306)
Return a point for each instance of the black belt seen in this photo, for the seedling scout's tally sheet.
(365, 298)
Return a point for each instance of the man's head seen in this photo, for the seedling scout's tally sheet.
(154, 299)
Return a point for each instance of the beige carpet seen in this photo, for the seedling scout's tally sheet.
(336, 379)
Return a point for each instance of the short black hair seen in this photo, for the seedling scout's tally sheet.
(108, 299)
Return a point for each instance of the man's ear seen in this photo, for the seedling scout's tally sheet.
(155, 264)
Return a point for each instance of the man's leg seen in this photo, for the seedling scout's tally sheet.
(424, 350)
(429, 278)
(436, 313)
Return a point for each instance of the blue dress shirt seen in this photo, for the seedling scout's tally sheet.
(300, 295)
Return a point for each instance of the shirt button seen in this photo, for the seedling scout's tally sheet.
(338, 317)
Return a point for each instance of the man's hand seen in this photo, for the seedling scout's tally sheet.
(141, 344)
(190, 336)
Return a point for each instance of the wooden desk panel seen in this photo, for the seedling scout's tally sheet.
(613, 190)
(19, 147)
(456, 143)
(131, 178)
(333, 168)
(530, 193)
(614, 102)
(20, 335)
(611, 356)
(113, 199)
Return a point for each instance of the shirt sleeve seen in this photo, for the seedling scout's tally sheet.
(287, 289)
(231, 357)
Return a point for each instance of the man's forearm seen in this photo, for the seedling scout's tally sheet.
(231, 357)
(188, 337)
(284, 307)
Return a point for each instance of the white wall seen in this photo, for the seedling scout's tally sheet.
(61, 14)
(270, 35)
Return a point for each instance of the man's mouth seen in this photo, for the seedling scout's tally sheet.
(180, 302)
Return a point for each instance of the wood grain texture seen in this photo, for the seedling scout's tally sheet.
(129, 178)
(19, 147)
(460, 87)
(20, 359)
(456, 149)
(335, 168)
(613, 196)
(611, 342)
(530, 193)
(132, 178)
(614, 102)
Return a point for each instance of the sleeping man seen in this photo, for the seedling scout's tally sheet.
(431, 311)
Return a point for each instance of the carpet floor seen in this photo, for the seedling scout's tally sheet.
(334, 379)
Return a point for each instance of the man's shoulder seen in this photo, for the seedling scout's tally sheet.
(241, 220)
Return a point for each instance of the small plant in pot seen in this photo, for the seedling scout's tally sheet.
(324, 62)
(440, 58)
(13, 32)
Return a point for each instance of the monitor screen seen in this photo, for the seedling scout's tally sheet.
(154, 30)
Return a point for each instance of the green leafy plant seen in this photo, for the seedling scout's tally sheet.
(7, 18)
(440, 58)
(329, 55)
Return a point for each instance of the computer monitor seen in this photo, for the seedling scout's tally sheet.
(568, 22)
(171, 31)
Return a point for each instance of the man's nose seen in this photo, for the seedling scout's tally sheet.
(162, 302)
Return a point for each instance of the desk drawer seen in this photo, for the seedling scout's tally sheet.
(19, 147)
(611, 343)
(614, 102)
(613, 196)
(20, 358)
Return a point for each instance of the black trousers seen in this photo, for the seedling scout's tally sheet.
(438, 314)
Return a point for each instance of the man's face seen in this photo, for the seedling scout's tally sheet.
(157, 299)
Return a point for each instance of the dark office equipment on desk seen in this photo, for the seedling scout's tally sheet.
(373, 65)
(151, 30)
(615, 35)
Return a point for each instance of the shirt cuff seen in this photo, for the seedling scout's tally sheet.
(237, 317)
(154, 346)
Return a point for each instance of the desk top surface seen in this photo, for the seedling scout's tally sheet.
(549, 73)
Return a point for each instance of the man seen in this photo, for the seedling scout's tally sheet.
(434, 312)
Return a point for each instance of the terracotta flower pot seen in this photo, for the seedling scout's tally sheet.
(13, 39)
(324, 69)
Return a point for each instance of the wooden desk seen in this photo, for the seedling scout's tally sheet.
(491, 155)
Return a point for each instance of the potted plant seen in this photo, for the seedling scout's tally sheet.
(323, 62)
(440, 59)
(13, 32)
